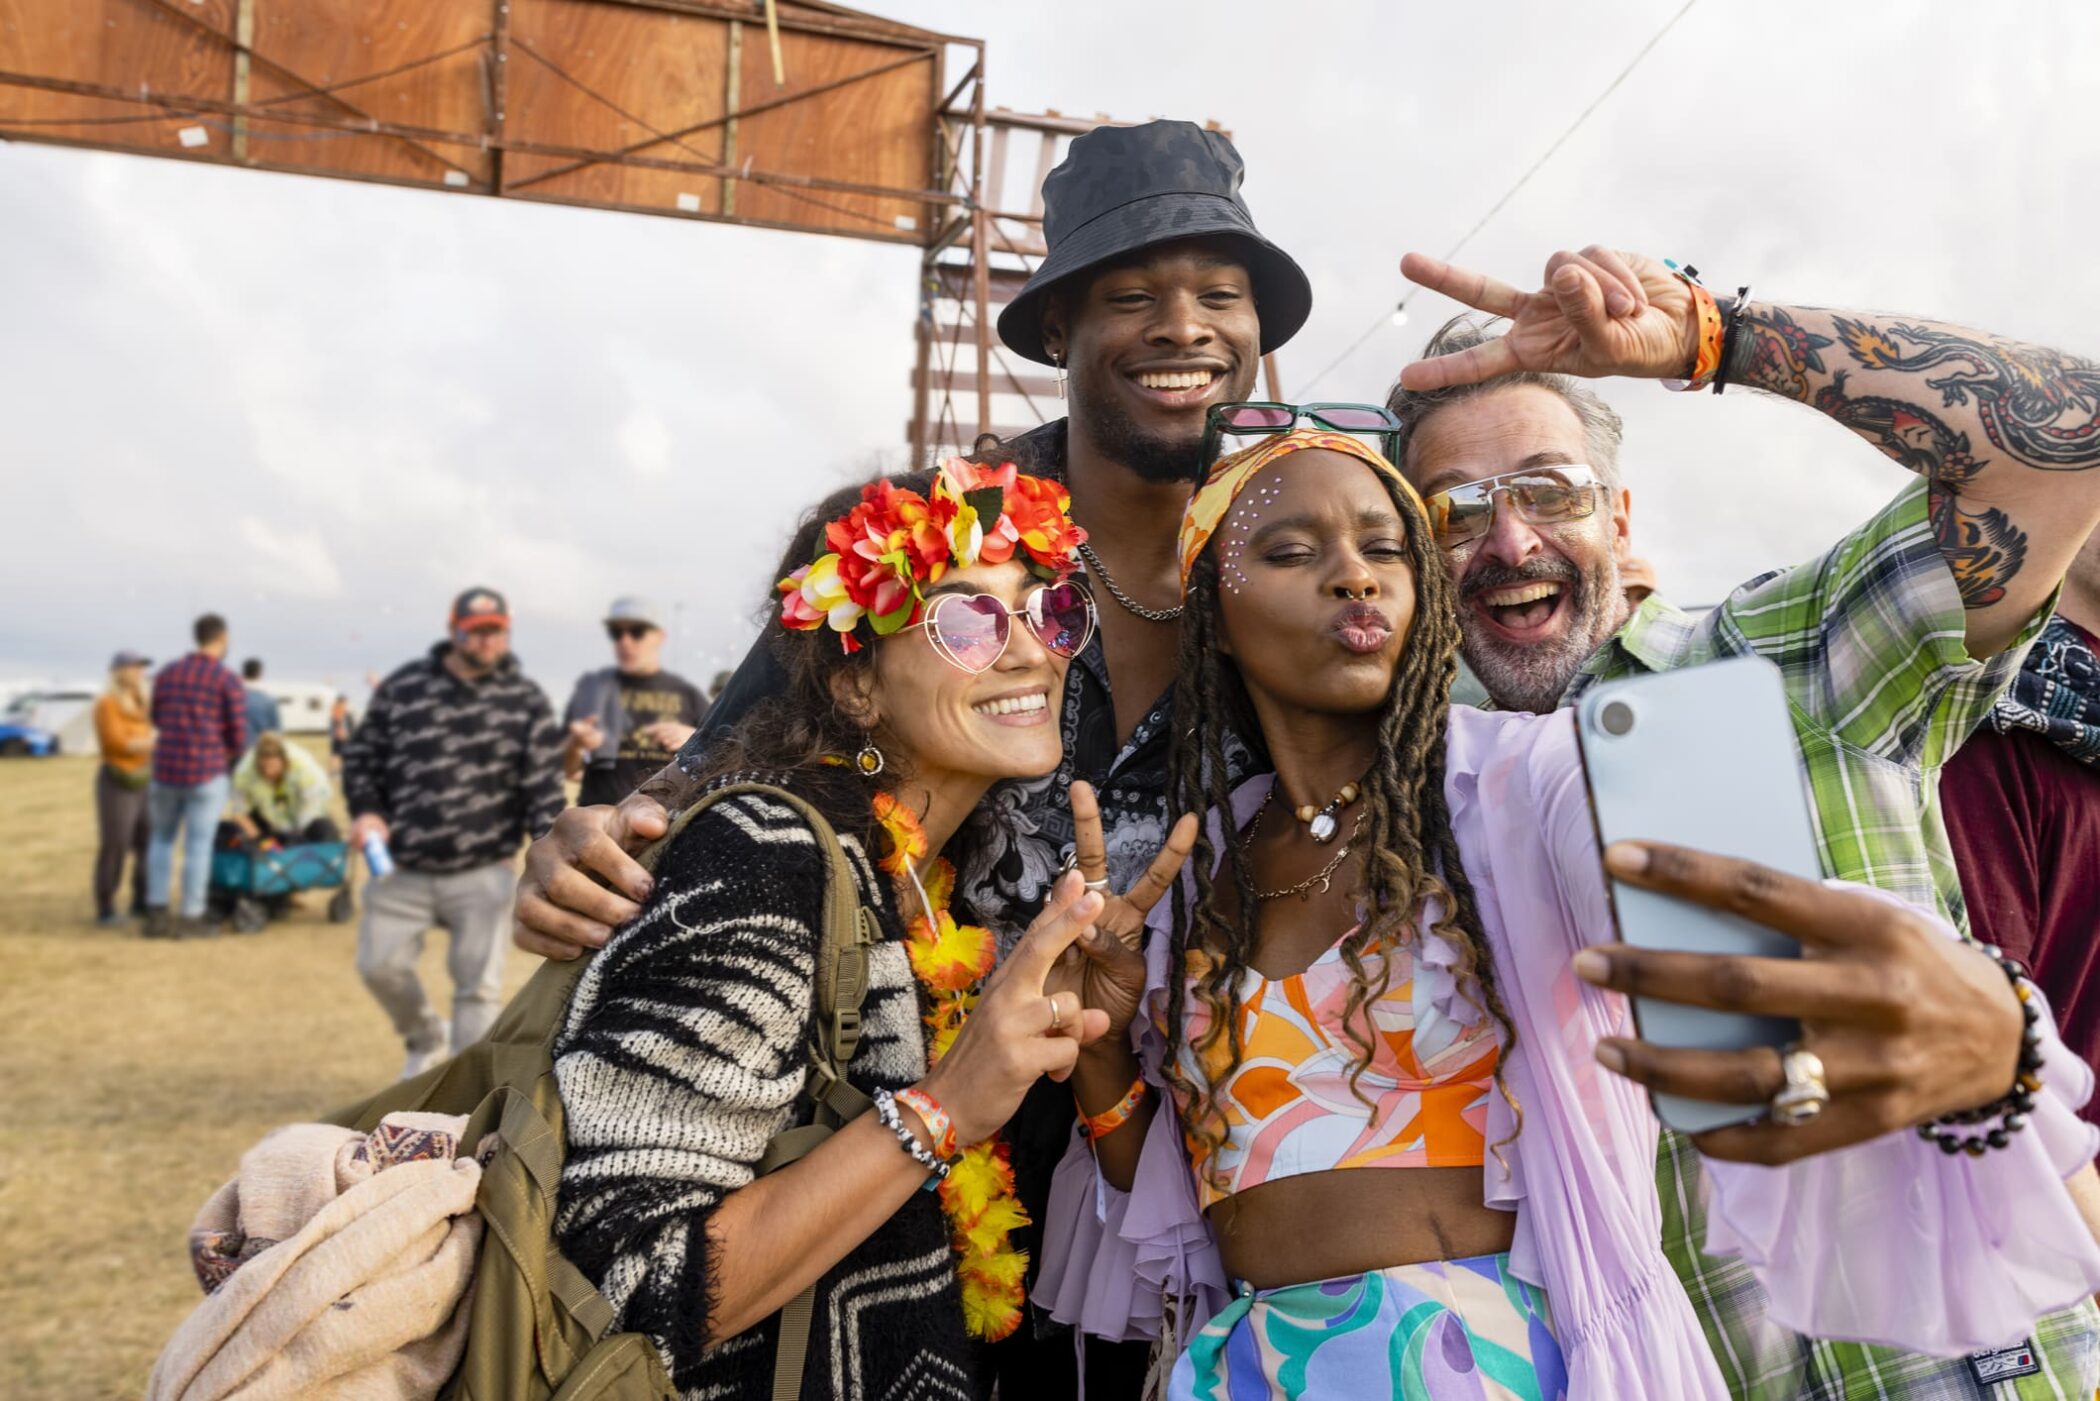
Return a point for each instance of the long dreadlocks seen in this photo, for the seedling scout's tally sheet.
(1413, 856)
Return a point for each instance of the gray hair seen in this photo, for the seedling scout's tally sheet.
(1602, 429)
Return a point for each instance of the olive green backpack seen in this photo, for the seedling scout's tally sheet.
(539, 1327)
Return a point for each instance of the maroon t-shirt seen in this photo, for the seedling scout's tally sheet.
(2025, 821)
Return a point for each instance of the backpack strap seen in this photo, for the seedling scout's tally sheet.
(841, 985)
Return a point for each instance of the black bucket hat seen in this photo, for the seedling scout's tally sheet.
(1120, 189)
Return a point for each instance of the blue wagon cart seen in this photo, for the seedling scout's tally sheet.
(252, 884)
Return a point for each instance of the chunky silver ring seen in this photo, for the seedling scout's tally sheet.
(1805, 1092)
(1057, 1018)
(1100, 885)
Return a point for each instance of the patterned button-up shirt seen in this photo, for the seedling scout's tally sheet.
(199, 709)
(1869, 639)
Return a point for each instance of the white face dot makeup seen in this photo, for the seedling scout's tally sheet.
(1246, 514)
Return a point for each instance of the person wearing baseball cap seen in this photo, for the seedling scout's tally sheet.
(625, 721)
(1157, 300)
(458, 759)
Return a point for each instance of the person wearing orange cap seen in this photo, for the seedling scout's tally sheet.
(457, 761)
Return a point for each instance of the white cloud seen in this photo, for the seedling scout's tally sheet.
(289, 564)
(646, 443)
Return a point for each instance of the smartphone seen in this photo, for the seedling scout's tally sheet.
(1703, 757)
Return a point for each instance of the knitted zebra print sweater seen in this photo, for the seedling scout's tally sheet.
(682, 1055)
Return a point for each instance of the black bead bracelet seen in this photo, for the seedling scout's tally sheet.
(2013, 1109)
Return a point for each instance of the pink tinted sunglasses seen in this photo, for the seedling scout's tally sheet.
(971, 630)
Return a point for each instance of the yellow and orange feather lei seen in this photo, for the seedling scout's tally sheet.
(950, 960)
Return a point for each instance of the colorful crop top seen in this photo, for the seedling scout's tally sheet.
(1290, 1107)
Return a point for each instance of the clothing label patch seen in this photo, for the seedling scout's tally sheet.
(2004, 1365)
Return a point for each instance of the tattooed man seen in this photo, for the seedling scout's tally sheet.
(1894, 644)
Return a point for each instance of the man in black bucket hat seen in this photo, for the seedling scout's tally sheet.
(1158, 299)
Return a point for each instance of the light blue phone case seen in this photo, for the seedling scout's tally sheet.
(1703, 757)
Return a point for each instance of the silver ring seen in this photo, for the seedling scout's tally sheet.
(1057, 1018)
(1100, 885)
(1805, 1092)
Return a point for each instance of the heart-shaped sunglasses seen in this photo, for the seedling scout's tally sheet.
(971, 630)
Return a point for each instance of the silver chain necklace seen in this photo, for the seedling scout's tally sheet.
(1130, 605)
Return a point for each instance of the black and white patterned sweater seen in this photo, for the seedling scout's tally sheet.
(682, 1056)
(461, 771)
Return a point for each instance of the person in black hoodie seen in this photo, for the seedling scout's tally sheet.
(457, 761)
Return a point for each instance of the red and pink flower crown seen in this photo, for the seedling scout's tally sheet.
(886, 551)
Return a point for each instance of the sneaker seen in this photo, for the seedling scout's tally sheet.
(108, 919)
(420, 1061)
(204, 926)
(159, 924)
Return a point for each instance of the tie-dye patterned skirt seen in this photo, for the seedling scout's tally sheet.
(1439, 1331)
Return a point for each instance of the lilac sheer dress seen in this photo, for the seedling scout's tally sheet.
(1890, 1241)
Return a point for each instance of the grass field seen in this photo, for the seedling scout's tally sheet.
(133, 1073)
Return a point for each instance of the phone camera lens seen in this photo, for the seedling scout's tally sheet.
(1615, 718)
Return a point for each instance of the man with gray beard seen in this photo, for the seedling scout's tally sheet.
(1893, 646)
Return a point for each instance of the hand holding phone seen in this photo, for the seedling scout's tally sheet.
(1705, 758)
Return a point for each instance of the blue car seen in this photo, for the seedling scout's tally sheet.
(26, 741)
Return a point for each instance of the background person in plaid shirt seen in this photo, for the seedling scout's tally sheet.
(1894, 646)
(198, 708)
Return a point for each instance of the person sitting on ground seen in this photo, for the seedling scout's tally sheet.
(911, 686)
(258, 705)
(280, 792)
(126, 738)
(625, 721)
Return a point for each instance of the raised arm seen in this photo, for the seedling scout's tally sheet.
(2007, 434)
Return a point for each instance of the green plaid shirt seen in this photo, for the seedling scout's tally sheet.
(1870, 641)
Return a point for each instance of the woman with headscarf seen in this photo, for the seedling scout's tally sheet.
(1366, 1147)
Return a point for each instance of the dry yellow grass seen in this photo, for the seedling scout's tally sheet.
(132, 1075)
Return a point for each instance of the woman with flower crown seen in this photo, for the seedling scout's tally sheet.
(925, 627)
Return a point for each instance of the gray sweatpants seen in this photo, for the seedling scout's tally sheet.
(474, 909)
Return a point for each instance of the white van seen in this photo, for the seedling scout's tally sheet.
(302, 706)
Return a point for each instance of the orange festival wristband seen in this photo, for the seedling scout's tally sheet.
(1094, 1127)
(938, 1124)
(1706, 363)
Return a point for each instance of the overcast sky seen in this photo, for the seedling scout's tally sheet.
(322, 407)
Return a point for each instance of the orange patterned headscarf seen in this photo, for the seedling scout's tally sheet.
(1213, 500)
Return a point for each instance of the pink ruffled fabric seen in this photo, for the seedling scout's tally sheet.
(1890, 1241)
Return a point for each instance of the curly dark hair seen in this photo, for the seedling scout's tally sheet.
(796, 736)
(1407, 834)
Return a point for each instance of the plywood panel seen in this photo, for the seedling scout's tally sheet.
(622, 104)
(88, 40)
(306, 44)
(651, 71)
(876, 131)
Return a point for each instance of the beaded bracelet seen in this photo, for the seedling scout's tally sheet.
(1099, 1126)
(936, 1119)
(2011, 1109)
(886, 1110)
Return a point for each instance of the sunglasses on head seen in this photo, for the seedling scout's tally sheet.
(1256, 419)
(1539, 495)
(630, 632)
(971, 630)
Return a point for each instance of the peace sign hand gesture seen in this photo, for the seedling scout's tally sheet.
(1601, 312)
(1106, 965)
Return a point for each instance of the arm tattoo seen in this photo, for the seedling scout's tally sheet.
(2040, 407)
(2035, 407)
(1983, 549)
(1773, 352)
